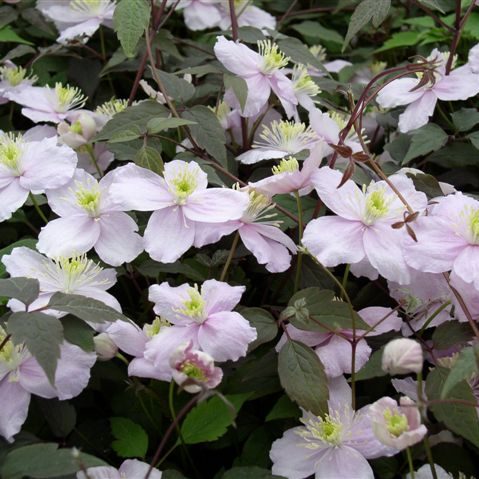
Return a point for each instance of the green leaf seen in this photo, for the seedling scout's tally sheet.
(176, 88)
(465, 118)
(451, 333)
(459, 418)
(299, 53)
(433, 4)
(60, 416)
(149, 158)
(317, 31)
(134, 118)
(284, 409)
(156, 125)
(474, 137)
(130, 20)
(46, 461)
(88, 309)
(42, 335)
(464, 367)
(368, 10)
(426, 139)
(263, 322)
(210, 419)
(373, 368)
(400, 40)
(427, 184)
(239, 87)
(303, 378)
(249, 472)
(207, 131)
(29, 243)
(7, 34)
(127, 134)
(78, 332)
(131, 439)
(455, 155)
(25, 290)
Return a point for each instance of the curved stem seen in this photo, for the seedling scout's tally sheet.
(430, 459)
(409, 460)
(230, 257)
(299, 262)
(91, 153)
(37, 208)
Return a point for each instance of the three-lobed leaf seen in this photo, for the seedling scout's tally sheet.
(131, 440)
(25, 290)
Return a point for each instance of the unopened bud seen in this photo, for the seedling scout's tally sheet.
(105, 348)
(402, 356)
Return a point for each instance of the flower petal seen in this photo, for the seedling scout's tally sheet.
(220, 296)
(12, 197)
(341, 462)
(15, 401)
(417, 113)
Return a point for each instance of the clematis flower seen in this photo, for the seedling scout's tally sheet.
(460, 84)
(31, 165)
(362, 228)
(48, 104)
(77, 275)
(334, 446)
(288, 177)
(129, 469)
(13, 79)
(448, 239)
(194, 370)
(335, 350)
(304, 88)
(77, 18)
(261, 71)
(89, 219)
(397, 426)
(204, 317)
(180, 201)
(247, 16)
(79, 131)
(21, 376)
(200, 14)
(258, 231)
(280, 139)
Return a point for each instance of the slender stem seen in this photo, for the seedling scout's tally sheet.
(430, 459)
(37, 207)
(122, 358)
(230, 257)
(437, 19)
(433, 315)
(345, 276)
(409, 460)
(91, 153)
(299, 261)
(456, 36)
(102, 44)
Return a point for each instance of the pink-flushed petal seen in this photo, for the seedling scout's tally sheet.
(373, 315)
(324, 126)
(341, 462)
(225, 336)
(460, 84)
(334, 240)
(133, 468)
(382, 245)
(136, 188)
(47, 165)
(469, 294)
(254, 17)
(208, 233)
(417, 113)
(280, 183)
(178, 169)
(220, 296)
(40, 132)
(118, 242)
(282, 86)
(275, 234)
(336, 356)
(340, 395)
(437, 246)
(237, 58)
(99, 472)
(128, 337)
(15, 401)
(347, 201)
(274, 255)
(169, 300)
(292, 458)
(216, 205)
(336, 66)
(38, 98)
(143, 368)
(259, 90)
(310, 338)
(399, 93)
(12, 197)
(38, 116)
(67, 237)
(364, 268)
(258, 154)
(168, 235)
(33, 379)
(466, 265)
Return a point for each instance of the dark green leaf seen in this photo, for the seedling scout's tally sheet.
(42, 335)
(176, 88)
(451, 333)
(317, 31)
(428, 138)
(373, 368)
(25, 290)
(264, 324)
(427, 184)
(299, 53)
(239, 87)
(156, 125)
(474, 137)
(455, 155)
(302, 376)
(131, 439)
(463, 368)
(60, 416)
(7, 34)
(400, 40)
(465, 118)
(78, 332)
(149, 158)
(284, 409)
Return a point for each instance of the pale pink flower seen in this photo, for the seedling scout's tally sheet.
(180, 201)
(29, 164)
(460, 84)
(402, 356)
(78, 18)
(247, 16)
(334, 446)
(48, 104)
(262, 72)
(200, 14)
(397, 426)
(447, 239)
(204, 317)
(77, 275)
(362, 228)
(103, 157)
(89, 219)
(194, 370)
(79, 131)
(21, 376)
(129, 469)
(107, 110)
(13, 79)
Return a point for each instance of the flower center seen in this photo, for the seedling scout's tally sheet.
(184, 184)
(193, 371)
(87, 6)
(328, 429)
(68, 97)
(154, 328)
(273, 58)
(287, 135)
(377, 205)
(286, 165)
(112, 107)
(194, 307)
(76, 127)
(11, 152)
(10, 355)
(15, 75)
(396, 423)
(474, 225)
(319, 52)
(259, 209)
(303, 83)
(89, 199)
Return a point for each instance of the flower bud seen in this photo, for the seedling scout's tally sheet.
(105, 348)
(402, 356)
(79, 132)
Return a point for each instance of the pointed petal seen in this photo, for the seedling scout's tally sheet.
(342, 462)
(460, 84)
(258, 154)
(128, 337)
(220, 296)
(237, 58)
(373, 314)
(417, 113)
(168, 300)
(12, 197)
(15, 401)
(399, 93)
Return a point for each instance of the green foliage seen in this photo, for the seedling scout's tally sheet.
(25, 290)
(131, 440)
(464, 367)
(149, 158)
(425, 140)
(264, 324)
